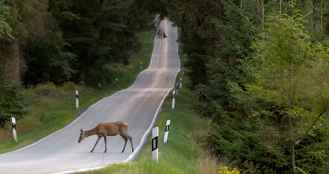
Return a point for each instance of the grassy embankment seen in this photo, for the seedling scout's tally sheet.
(183, 153)
(52, 107)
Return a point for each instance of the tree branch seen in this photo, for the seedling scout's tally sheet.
(310, 128)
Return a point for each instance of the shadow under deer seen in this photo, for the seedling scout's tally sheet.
(102, 130)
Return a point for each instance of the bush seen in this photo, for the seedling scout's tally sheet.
(46, 89)
(278, 120)
(11, 102)
(69, 86)
(46, 61)
(227, 170)
(6, 30)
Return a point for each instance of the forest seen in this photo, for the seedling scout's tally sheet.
(60, 41)
(260, 71)
(259, 68)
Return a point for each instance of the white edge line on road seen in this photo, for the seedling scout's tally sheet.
(137, 150)
(142, 142)
(131, 156)
(75, 120)
(59, 130)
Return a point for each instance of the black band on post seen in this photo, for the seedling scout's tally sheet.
(167, 128)
(154, 143)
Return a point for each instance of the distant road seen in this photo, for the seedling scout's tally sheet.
(137, 105)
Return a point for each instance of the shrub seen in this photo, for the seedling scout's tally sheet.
(46, 89)
(11, 101)
(227, 170)
(46, 61)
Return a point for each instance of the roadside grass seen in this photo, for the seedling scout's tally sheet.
(52, 107)
(183, 154)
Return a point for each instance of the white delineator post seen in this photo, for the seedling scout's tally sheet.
(155, 150)
(173, 99)
(166, 133)
(181, 80)
(13, 128)
(76, 99)
(177, 87)
(180, 83)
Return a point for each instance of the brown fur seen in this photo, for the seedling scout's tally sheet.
(108, 129)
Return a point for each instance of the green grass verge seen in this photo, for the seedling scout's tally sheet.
(182, 154)
(52, 107)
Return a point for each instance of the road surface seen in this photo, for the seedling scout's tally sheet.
(138, 105)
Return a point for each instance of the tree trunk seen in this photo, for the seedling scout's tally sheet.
(280, 7)
(292, 144)
(291, 99)
(260, 12)
(10, 60)
(302, 3)
(317, 19)
(326, 23)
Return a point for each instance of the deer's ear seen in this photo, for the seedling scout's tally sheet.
(81, 130)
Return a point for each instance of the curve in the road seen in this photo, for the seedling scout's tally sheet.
(138, 105)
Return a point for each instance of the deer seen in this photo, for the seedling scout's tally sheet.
(108, 129)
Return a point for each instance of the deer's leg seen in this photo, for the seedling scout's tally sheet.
(105, 141)
(131, 143)
(92, 150)
(124, 146)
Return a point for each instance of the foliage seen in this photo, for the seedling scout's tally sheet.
(283, 105)
(227, 170)
(201, 36)
(267, 92)
(183, 154)
(5, 28)
(72, 40)
(291, 72)
(258, 67)
(46, 61)
(100, 33)
(51, 106)
(224, 68)
(11, 102)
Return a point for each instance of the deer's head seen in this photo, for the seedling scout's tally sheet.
(82, 135)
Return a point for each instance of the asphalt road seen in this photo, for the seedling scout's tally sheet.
(138, 105)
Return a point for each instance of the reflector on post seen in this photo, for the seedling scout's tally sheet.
(76, 99)
(155, 150)
(13, 127)
(166, 133)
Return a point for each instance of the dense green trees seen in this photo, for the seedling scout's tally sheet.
(200, 23)
(11, 101)
(80, 40)
(46, 61)
(258, 67)
(290, 72)
(64, 40)
(286, 102)
(5, 28)
(99, 32)
(260, 71)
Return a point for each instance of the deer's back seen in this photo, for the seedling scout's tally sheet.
(111, 128)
